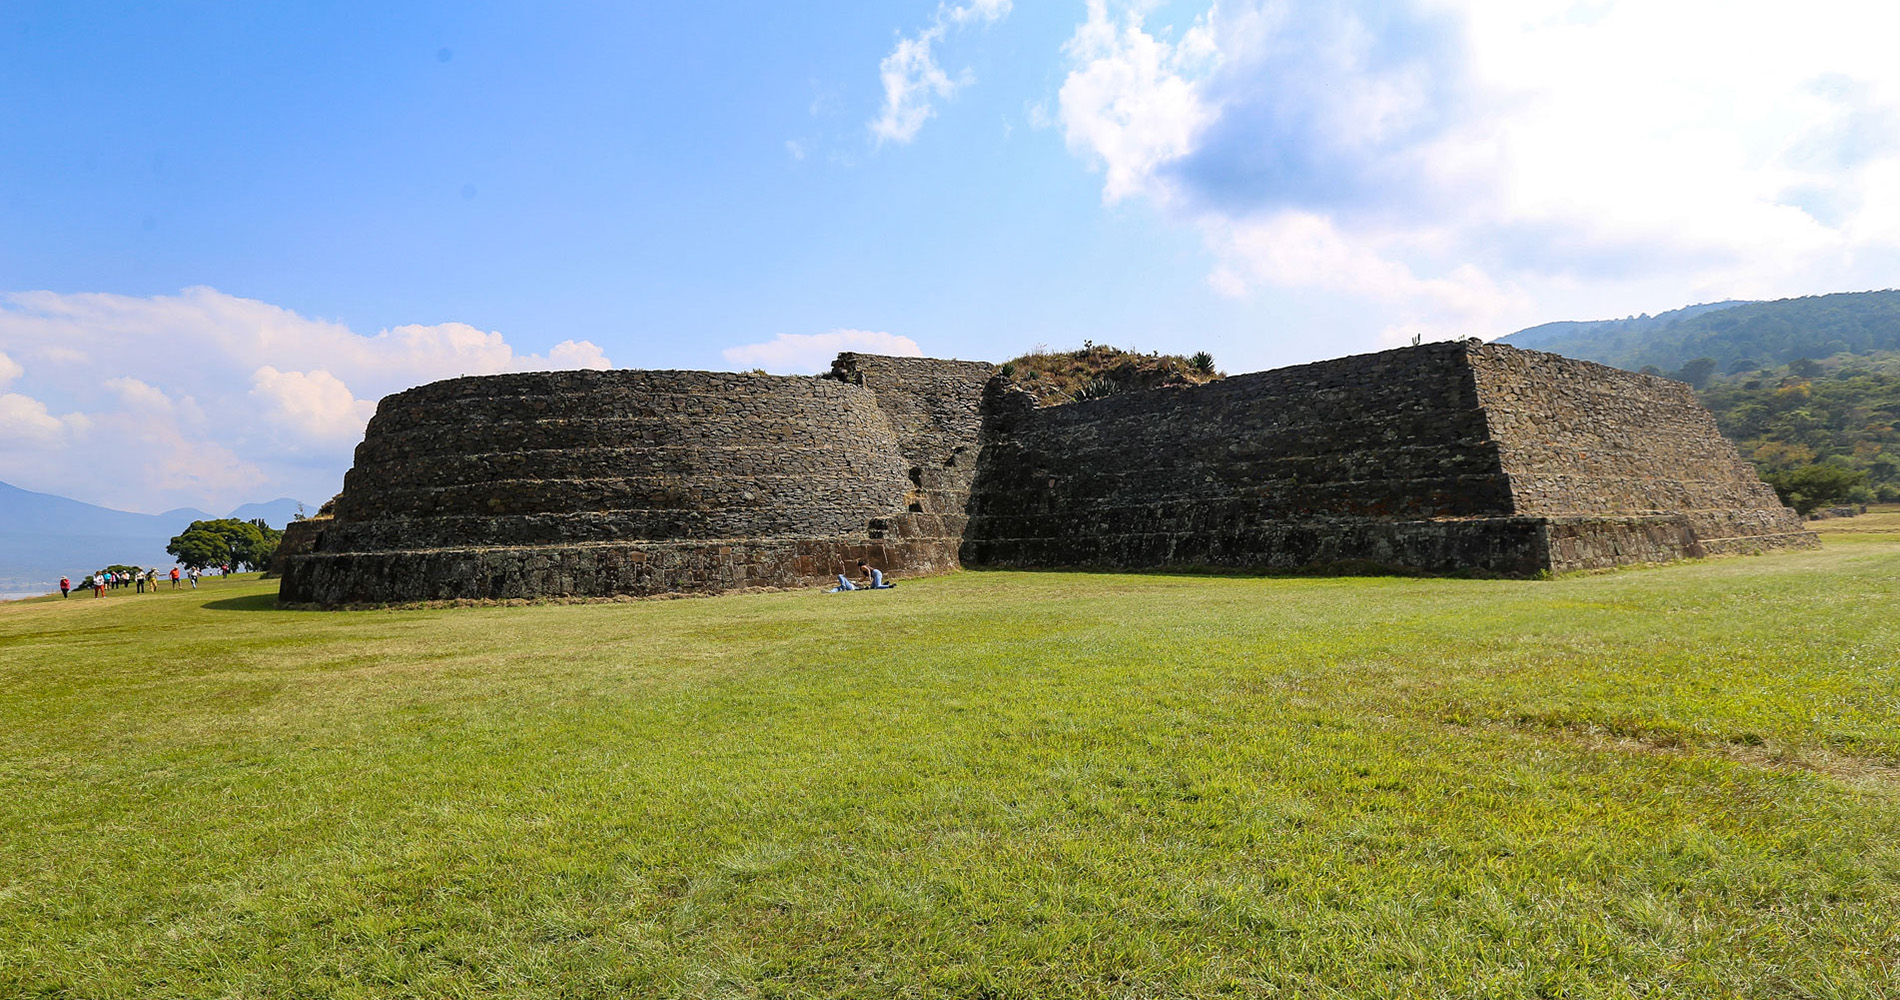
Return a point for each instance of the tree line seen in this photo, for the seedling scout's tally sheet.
(1753, 333)
(1820, 432)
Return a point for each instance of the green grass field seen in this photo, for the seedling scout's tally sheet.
(1680, 781)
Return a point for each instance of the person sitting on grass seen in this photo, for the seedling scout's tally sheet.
(876, 576)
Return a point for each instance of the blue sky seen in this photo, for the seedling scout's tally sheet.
(227, 229)
(618, 173)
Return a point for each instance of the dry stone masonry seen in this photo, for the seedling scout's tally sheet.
(1443, 457)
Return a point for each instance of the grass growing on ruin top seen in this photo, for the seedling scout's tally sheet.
(1674, 781)
(1058, 377)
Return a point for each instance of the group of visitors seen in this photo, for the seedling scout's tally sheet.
(873, 580)
(140, 580)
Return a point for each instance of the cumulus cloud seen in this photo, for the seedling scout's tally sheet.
(139, 397)
(208, 399)
(1133, 101)
(571, 354)
(9, 370)
(317, 403)
(1294, 249)
(913, 80)
(1464, 160)
(25, 423)
(804, 353)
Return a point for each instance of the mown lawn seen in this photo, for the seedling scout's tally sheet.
(1681, 781)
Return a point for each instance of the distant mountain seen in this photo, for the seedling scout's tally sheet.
(1794, 382)
(1732, 334)
(1595, 331)
(275, 513)
(43, 536)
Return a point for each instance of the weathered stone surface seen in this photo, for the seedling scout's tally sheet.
(630, 482)
(1443, 457)
(593, 570)
(1373, 457)
(300, 538)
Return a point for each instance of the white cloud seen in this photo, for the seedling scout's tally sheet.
(314, 404)
(912, 78)
(983, 11)
(1470, 161)
(207, 399)
(800, 353)
(26, 423)
(9, 370)
(1306, 250)
(1130, 102)
(139, 397)
(573, 354)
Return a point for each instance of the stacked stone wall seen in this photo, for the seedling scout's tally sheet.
(1600, 450)
(1341, 460)
(935, 409)
(300, 538)
(1581, 438)
(1441, 457)
(646, 454)
(600, 483)
(1444, 457)
(600, 569)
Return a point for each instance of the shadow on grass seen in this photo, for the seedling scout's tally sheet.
(255, 602)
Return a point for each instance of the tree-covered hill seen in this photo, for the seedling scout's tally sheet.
(1734, 336)
(1802, 419)
(1595, 333)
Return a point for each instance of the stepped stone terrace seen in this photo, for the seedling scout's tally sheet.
(1442, 458)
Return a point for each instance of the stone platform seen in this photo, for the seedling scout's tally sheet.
(1444, 458)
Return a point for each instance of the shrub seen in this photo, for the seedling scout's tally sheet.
(1813, 486)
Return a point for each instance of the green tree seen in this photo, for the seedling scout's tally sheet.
(1695, 372)
(198, 547)
(1812, 486)
(226, 541)
(1847, 415)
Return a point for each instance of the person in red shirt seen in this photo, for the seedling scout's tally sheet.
(174, 578)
